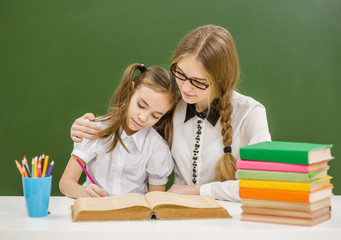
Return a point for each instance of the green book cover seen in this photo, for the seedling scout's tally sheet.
(287, 152)
(281, 176)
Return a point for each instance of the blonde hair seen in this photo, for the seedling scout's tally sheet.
(214, 48)
(154, 77)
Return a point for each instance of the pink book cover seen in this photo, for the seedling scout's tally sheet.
(282, 167)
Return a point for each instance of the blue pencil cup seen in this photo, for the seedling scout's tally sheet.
(37, 193)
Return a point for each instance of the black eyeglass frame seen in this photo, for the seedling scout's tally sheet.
(174, 72)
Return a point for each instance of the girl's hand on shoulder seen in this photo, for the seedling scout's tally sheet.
(82, 128)
(185, 189)
(94, 191)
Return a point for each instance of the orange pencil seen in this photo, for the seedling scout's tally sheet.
(19, 168)
(36, 167)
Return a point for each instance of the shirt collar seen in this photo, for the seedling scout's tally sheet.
(139, 137)
(212, 117)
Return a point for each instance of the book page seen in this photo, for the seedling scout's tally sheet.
(114, 202)
(193, 201)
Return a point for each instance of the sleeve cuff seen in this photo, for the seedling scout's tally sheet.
(81, 155)
(157, 182)
(205, 189)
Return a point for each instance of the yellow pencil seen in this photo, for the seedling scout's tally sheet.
(45, 165)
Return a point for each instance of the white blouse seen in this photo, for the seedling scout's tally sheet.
(249, 124)
(121, 172)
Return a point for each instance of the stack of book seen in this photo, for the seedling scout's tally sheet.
(285, 182)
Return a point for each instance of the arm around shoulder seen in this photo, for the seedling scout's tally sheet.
(83, 128)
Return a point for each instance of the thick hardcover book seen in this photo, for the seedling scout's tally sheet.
(153, 205)
(282, 167)
(287, 152)
(286, 195)
(285, 185)
(285, 220)
(298, 206)
(281, 176)
(286, 212)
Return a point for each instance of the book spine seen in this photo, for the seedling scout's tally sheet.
(271, 166)
(278, 195)
(272, 175)
(286, 195)
(270, 155)
(276, 185)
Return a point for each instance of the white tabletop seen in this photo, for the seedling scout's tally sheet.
(15, 224)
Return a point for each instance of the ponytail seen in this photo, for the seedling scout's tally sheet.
(117, 112)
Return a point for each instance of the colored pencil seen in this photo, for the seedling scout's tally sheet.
(32, 168)
(19, 168)
(35, 166)
(45, 165)
(25, 163)
(42, 164)
(27, 170)
(39, 168)
(24, 169)
(86, 172)
(50, 168)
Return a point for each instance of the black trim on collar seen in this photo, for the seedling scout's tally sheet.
(211, 118)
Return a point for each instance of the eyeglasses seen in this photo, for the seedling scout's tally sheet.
(183, 77)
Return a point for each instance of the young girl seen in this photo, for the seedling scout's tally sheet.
(212, 122)
(128, 153)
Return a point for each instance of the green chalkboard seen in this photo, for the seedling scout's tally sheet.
(61, 59)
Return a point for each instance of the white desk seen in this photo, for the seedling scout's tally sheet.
(15, 224)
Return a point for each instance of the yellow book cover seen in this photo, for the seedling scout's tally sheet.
(283, 185)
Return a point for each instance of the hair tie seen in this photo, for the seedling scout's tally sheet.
(227, 149)
(142, 68)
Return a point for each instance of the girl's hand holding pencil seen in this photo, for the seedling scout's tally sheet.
(92, 190)
(38, 167)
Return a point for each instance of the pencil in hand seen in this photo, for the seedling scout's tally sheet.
(86, 172)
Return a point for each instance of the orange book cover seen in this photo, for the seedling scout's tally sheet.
(285, 195)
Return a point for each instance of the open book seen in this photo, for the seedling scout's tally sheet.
(154, 205)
